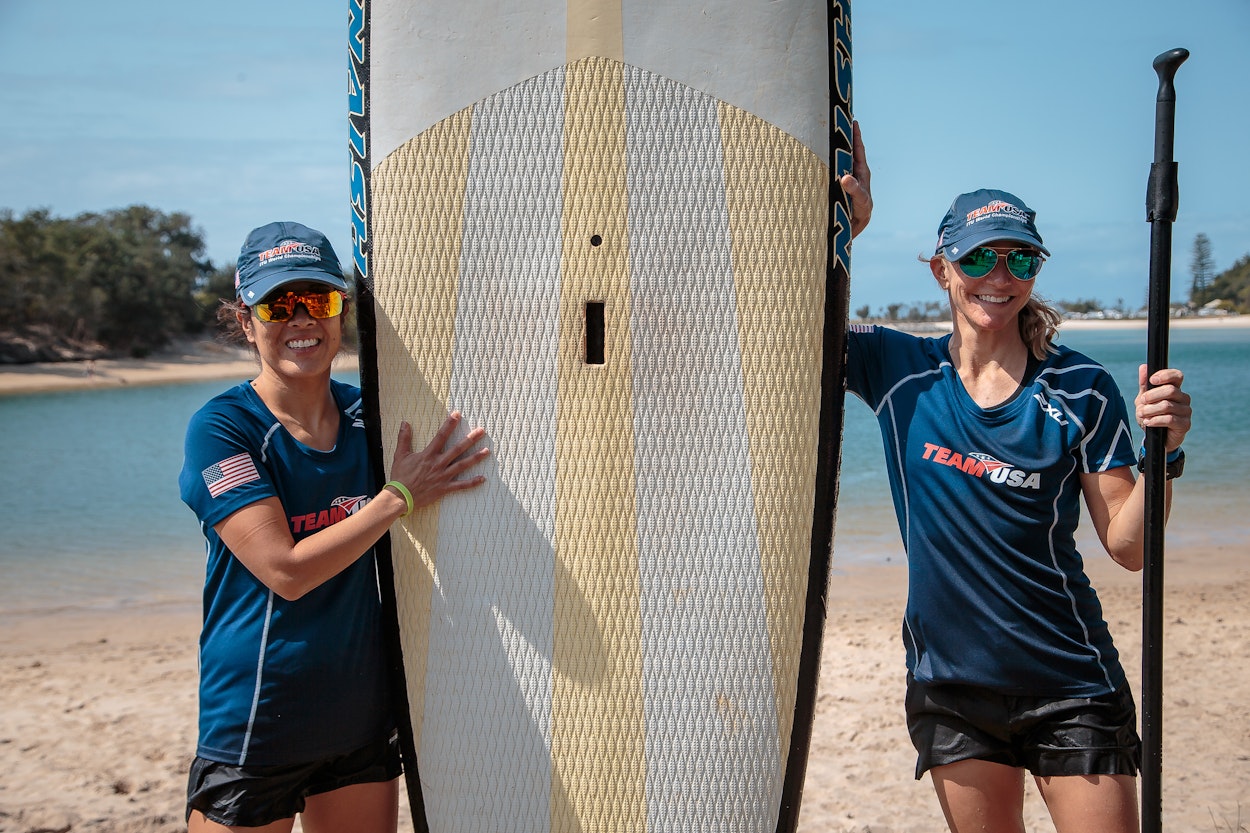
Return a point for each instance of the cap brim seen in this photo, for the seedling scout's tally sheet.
(961, 247)
(256, 291)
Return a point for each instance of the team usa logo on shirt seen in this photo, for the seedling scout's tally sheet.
(339, 509)
(980, 464)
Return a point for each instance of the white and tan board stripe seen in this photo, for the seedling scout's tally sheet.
(605, 637)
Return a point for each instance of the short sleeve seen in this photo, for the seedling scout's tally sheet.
(1109, 440)
(221, 471)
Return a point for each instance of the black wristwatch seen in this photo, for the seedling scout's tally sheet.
(1175, 468)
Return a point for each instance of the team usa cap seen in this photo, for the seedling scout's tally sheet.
(282, 253)
(983, 216)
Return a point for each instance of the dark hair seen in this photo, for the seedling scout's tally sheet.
(229, 329)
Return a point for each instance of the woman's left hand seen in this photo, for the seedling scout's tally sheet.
(435, 471)
(1165, 405)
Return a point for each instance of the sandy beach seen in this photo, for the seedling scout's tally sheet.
(97, 708)
(188, 361)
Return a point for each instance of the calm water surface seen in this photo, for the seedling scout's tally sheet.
(90, 515)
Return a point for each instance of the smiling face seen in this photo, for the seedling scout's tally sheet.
(299, 346)
(991, 302)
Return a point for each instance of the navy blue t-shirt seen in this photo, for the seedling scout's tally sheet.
(988, 502)
(283, 682)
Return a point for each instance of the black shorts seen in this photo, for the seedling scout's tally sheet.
(253, 796)
(1045, 735)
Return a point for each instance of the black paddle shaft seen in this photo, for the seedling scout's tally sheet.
(1161, 205)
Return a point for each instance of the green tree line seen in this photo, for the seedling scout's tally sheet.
(120, 282)
(1229, 290)
(1232, 286)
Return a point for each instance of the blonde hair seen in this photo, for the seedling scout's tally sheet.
(1039, 323)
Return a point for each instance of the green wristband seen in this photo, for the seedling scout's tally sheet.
(403, 491)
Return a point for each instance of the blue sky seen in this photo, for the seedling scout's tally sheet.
(235, 113)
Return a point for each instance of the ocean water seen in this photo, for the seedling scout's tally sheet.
(90, 516)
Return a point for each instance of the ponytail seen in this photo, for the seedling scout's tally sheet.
(1039, 322)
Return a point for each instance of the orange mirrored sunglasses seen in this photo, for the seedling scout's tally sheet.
(282, 307)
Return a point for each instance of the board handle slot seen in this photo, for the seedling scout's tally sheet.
(594, 332)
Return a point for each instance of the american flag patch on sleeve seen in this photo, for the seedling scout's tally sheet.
(230, 472)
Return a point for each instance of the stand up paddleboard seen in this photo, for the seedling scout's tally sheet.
(608, 233)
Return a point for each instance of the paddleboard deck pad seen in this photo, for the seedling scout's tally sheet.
(607, 232)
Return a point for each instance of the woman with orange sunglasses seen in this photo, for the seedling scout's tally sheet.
(294, 712)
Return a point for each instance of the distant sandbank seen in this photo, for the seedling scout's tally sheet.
(1214, 322)
(1221, 322)
(192, 361)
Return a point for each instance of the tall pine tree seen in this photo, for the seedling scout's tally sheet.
(1202, 268)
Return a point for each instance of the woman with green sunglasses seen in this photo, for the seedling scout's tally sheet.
(994, 434)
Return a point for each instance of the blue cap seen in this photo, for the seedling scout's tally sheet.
(983, 216)
(280, 253)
